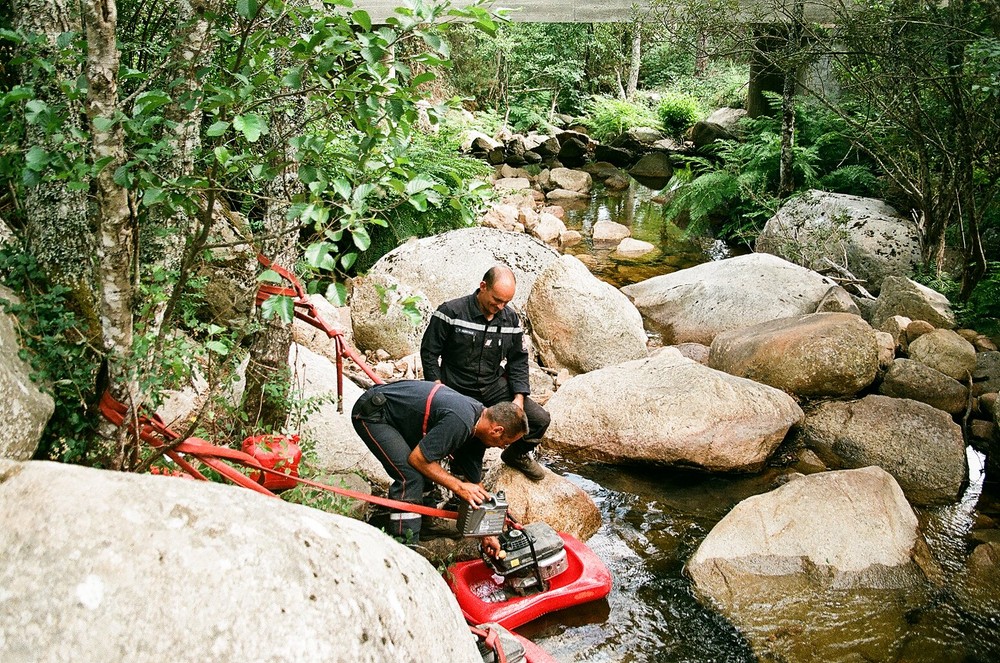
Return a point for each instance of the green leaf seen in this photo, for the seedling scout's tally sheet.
(336, 294)
(318, 255)
(362, 18)
(104, 124)
(250, 125)
(246, 8)
(348, 259)
(419, 183)
(17, 94)
(419, 202)
(65, 39)
(37, 158)
(149, 101)
(361, 193)
(222, 155)
(434, 42)
(342, 188)
(278, 305)
(425, 77)
(307, 173)
(153, 195)
(123, 176)
(292, 78)
(35, 110)
(218, 347)
(270, 276)
(361, 238)
(217, 129)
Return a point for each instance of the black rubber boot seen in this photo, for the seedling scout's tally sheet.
(518, 456)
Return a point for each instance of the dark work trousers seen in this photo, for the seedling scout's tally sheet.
(393, 452)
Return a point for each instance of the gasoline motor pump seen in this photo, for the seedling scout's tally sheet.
(529, 557)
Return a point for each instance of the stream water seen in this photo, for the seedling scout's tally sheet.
(637, 208)
(654, 519)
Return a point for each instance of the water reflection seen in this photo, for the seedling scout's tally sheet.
(638, 208)
(654, 519)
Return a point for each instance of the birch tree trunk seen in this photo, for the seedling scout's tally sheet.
(701, 55)
(57, 229)
(111, 216)
(786, 169)
(266, 398)
(174, 237)
(636, 60)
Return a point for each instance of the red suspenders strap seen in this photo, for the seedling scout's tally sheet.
(427, 410)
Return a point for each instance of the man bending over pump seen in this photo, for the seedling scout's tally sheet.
(480, 345)
(412, 425)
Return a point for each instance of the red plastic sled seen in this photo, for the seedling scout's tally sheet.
(585, 579)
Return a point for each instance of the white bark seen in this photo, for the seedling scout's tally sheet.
(112, 217)
(56, 223)
(633, 72)
(174, 228)
(269, 350)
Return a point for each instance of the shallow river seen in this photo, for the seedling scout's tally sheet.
(654, 519)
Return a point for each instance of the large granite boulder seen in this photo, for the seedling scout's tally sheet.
(554, 500)
(904, 297)
(142, 568)
(433, 270)
(24, 408)
(819, 355)
(911, 379)
(838, 527)
(581, 323)
(727, 118)
(697, 303)
(670, 410)
(655, 166)
(986, 377)
(337, 448)
(945, 351)
(919, 445)
(317, 340)
(817, 226)
(606, 232)
(571, 180)
(843, 544)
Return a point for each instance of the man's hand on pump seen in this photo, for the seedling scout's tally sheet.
(490, 546)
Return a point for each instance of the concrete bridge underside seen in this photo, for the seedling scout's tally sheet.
(610, 11)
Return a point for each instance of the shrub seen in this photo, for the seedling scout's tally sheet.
(665, 63)
(63, 361)
(722, 85)
(612, 117)
(677, 112)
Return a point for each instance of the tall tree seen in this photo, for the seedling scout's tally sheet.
(54, 215)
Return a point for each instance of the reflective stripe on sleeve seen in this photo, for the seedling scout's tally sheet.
(475, 326)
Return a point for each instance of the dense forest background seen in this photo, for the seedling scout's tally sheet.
(153, 147)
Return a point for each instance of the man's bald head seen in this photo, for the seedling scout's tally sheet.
(496, 290)
(501, 273)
